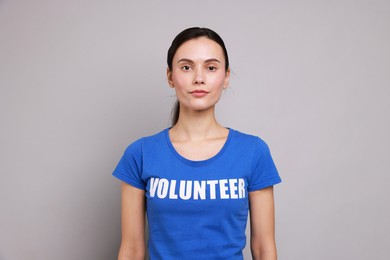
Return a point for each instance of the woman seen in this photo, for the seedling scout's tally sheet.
(197, 180)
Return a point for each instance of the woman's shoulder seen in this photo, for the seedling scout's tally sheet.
(248, 143)
(147, 140)
(247, 137)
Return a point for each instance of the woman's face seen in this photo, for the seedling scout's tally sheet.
(198, 74)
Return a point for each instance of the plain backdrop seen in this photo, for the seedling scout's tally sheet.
(82, 79)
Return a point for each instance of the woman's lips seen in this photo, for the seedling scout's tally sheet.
(199, 93)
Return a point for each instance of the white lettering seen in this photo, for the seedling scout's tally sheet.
(200, 190)
(233, 188)
(162, 189)
(172, 188)
(153, 186)
(223, 188)
(241, 188)
(185, 194)
(212, 189)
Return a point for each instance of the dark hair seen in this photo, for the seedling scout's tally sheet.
(186, 35)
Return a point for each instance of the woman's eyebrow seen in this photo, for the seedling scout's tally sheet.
(185, 60)
(190, 61)
(212, 60)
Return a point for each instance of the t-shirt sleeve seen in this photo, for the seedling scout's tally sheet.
(264, 173)
(129, 168)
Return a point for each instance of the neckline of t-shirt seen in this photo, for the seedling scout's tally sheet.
(201, 162)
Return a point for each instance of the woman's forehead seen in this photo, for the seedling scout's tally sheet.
(199, 49)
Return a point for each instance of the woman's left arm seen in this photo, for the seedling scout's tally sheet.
(262, 224)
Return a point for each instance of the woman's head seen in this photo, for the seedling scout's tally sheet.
(196, 46)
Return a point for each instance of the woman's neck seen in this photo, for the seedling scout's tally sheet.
(197, 126)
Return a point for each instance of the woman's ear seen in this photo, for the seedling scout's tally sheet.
(169, 78)
(227, 78)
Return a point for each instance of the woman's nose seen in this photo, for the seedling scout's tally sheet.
(198, 77)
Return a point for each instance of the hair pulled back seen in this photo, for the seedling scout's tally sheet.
(184, 36)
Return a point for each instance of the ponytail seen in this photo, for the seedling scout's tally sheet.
(175, 112)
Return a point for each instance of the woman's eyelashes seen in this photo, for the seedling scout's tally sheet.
(186, 67)
(208, 67)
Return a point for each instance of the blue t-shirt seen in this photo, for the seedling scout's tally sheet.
(197, 209)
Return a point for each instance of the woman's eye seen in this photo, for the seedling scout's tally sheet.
(186, 67)
(211, 68)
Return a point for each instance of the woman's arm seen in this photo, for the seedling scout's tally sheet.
(133, 223)
(262, 223)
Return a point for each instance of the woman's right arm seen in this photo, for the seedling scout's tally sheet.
(133, 223)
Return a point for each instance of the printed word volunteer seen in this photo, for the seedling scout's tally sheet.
(197, 190)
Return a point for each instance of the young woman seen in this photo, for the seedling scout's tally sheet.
(197, 180)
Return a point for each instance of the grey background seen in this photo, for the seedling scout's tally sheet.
(81, 79)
